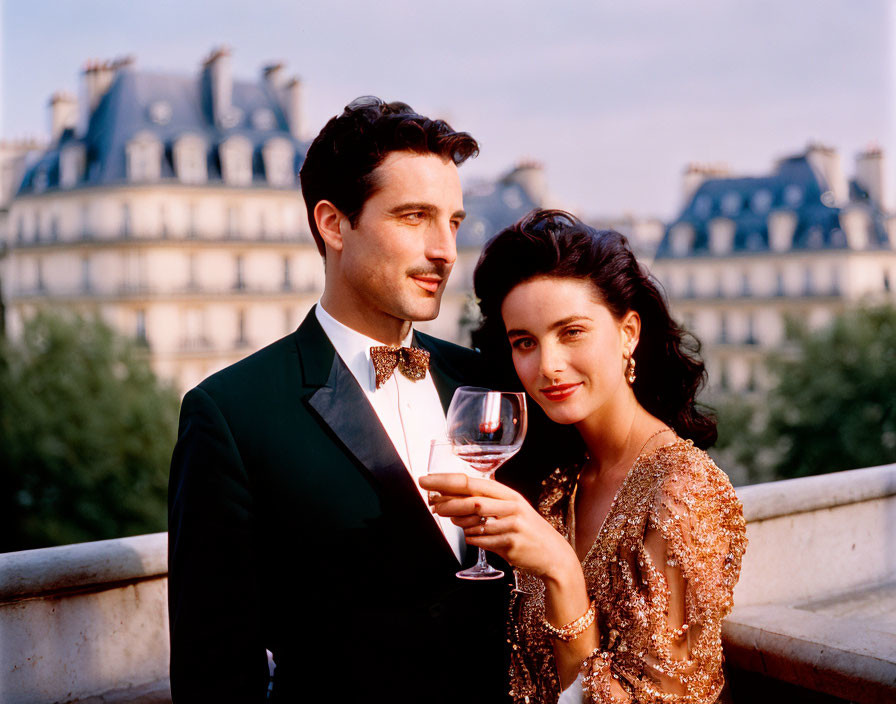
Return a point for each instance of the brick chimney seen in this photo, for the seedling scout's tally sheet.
(98, 77)
(221, 84)
(273, 75)
(825, 161)
(63, 113)
(293, 106)
(871, 175)
(695, 174)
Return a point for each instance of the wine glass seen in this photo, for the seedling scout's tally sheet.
(486, 428)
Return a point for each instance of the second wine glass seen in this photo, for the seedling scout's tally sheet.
(486, 428)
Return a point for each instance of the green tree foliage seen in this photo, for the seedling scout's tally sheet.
(832, 407)
(86, 433)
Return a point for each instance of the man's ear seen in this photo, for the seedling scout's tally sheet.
(329, 220)
(630, 327)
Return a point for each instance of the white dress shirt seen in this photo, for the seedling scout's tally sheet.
(410, 411)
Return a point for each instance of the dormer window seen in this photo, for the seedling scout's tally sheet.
(761, 202)
(72, 162)
(190, 163)
(236, 161)
(681, 238)
(731, 203)
(278, 162)
(721, 235)
(144, 156)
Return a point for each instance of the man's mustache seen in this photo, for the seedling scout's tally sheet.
(440, 270)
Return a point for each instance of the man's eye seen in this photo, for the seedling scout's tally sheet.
(414, 217)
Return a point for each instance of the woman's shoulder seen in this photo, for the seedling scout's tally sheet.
(687, 475)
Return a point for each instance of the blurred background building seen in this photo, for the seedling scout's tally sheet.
(169, 204)
(747, 254)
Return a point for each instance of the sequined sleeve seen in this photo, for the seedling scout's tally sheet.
(687, 563)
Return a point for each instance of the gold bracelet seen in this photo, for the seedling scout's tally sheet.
(573, 629)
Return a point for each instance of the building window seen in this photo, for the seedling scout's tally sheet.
(190, 162)
(751, 330)
(140, 331)
(85, 223)
(724, 383)
(808, 282)
(144, 158)
(287, 284)
(236, 161)
(191, 221)
(278, 157)
(240, 282)
(126, 224)
(241, 340)
(751, 379)
(287, 320)
(720, 286)
(886, 281)
(690, 290)
(86, 284)
(262, 226)
(745, 289)
(192, 278)
(835, 281)
(779, 283)
(723, 328)
(40, 276)
(54, 228)
(232, 223)
(20, 232)
(163, 222)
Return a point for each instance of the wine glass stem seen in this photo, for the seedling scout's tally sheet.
(482, 564)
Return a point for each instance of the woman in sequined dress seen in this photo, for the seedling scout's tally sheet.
(626, 568)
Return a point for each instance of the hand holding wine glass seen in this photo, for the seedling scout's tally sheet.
(486, 428)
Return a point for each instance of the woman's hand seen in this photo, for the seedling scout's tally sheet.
(512, 529)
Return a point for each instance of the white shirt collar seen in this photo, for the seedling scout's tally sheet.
(353, 347)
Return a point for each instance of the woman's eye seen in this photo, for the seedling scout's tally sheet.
(522, 343)
(574, 332)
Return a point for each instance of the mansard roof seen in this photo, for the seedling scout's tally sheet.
(490, 207)
(747, 201)
(166, 107)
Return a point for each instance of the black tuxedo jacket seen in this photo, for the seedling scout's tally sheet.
(295, 527)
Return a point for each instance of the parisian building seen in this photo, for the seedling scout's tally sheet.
(169, 205)
(747, 254)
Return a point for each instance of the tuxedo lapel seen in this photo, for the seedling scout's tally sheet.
(341, 405)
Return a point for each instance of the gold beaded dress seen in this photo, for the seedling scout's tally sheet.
(661, 570)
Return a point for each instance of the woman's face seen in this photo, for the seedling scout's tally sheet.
(568, 350)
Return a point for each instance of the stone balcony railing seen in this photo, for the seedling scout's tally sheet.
(815, 615)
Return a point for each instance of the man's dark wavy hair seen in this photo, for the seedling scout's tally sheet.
(555, 244)
(341, 160)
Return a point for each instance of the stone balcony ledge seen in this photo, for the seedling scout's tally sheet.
(816, 603)
(814, 607)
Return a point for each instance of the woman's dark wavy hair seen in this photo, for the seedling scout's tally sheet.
(340, 163)
(555, 244)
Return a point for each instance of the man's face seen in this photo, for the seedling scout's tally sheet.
(395, 262)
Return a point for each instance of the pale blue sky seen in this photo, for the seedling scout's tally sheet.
(614, 98)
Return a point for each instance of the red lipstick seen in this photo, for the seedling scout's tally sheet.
(560, 392)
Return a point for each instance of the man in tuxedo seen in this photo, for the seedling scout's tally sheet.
(295, 521)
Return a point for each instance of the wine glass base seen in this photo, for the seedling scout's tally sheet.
(477, 572)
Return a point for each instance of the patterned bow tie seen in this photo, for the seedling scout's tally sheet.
(411, 362)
